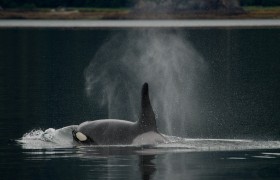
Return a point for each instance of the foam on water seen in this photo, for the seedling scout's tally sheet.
(219, 144)
(50, 138)
(62, 138)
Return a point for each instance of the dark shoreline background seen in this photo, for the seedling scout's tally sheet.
(140, 9)
(99, 14)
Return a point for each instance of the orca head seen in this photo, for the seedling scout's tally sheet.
(81, 138)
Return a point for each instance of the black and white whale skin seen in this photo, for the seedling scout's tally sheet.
(121, 132)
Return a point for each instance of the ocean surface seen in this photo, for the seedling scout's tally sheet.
(214, 86)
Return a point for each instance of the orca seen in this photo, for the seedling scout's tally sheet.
(122, 132)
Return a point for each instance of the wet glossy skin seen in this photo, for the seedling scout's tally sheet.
(114, 131)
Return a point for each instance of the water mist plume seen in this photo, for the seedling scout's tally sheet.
(162, 58)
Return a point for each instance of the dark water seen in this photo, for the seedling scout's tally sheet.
(43, 86)
(131, 164)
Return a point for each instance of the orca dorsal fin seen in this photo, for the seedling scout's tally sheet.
(147, 121)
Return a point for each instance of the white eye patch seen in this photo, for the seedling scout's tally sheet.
(81, 136)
